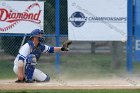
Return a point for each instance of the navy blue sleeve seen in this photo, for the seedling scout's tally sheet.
(51, 50)
(21, 58)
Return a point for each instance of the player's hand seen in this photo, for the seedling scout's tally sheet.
(20, 70)
(65, 46)
(20, 81)
(20, 76)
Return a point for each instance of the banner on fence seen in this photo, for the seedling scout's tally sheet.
(21, 16)
(137, 49)
(137, 31)
(97, 20)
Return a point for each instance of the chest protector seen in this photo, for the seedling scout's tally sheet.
(37, 51)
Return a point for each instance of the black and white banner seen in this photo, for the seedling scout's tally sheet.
(97, 20)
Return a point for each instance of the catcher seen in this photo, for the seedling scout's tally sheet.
(29, 54)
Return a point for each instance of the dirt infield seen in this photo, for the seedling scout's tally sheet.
(94, 84)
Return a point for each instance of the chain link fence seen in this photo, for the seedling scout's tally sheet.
(85, 60)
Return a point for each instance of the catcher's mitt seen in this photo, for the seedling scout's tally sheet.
(65, 45)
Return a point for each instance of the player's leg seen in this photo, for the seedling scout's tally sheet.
(40, 76)
(29, 68)
(15, 69)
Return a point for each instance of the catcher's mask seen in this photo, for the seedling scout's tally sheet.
(37, 32)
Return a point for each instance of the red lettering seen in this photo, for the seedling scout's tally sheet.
(3, 14)
(13, 16)
(36, 16)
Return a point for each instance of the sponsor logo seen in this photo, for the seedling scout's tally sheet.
(78, 19)
(14, 17)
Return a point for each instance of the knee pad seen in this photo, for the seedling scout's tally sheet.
(30, 67)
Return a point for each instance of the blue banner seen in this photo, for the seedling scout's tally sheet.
(137, 49)
(137, 30)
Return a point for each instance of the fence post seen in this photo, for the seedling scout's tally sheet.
(57, 32)
(130, 35)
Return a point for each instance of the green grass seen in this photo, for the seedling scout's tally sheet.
(6, 70)
(82, 64)
(74, 91)
(89, 66)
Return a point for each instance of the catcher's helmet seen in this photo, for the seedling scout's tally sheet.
(36, 32)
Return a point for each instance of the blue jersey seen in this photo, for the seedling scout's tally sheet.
(29, 48)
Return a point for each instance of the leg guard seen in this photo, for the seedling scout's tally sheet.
(29, 68)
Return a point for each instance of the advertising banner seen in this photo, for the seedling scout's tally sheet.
(97, 20)
(137, 31)
(21, 16)
(137, 49)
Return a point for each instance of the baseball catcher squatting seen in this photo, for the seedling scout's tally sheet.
(29, 54)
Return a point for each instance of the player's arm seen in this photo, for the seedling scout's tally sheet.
(57, 49)
(23, 52)
(20, 70)
(52, 49)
